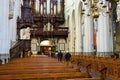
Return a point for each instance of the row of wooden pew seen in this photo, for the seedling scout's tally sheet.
(40, 67)
(106, 67)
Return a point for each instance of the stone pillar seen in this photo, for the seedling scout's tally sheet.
(88, 33)
(4, 29)
(70, 36)
(104, 42)
(78, 33)
(72, 33)
(100, 35)
(13, 22)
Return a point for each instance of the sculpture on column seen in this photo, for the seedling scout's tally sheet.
(11, 9)
(27, 33)
(118, 11)
(22, 32)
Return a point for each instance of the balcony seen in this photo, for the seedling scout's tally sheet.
(61, 32)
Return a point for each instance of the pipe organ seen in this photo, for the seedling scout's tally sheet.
(43, 14)
(49, 7)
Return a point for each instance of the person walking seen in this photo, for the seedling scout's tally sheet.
(60, 55)
(67, 57)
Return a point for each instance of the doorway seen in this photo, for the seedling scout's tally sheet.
(47, 47)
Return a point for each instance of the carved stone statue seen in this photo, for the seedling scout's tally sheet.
(118, 11)
(25, 33)
(22, 33)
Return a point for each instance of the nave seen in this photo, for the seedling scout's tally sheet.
(40, 67)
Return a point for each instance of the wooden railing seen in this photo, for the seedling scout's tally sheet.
(0, 62)
(105, 66)
(15, 51)
(20, 49)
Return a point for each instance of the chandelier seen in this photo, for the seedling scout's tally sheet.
(95, 9)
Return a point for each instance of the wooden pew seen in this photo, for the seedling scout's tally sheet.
(44, 76)
(99, 63)
(84, 79)
(36, 70)
(37, 67)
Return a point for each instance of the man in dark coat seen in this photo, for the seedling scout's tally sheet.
(67, 57)
(60, 55)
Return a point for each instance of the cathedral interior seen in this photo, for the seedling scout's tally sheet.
(88, 29)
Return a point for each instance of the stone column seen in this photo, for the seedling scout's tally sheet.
(4, 31)
(104, 42)
(78, 33)
(71, 35)
(88, 33)
(13, 22)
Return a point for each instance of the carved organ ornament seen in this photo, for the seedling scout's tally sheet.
(48, 9)
(47, 15)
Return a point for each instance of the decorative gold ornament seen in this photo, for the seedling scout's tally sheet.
(95, 9)
(95, 14)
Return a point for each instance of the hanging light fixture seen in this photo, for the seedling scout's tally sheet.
(95, 9)
(95, 13)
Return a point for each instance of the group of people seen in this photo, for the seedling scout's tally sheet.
(67, 56)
